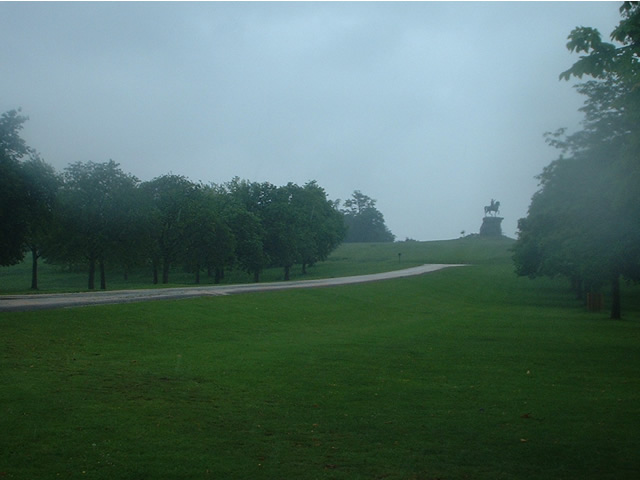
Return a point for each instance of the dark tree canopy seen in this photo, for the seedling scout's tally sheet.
(96, 216)
(170, 201)
(42, 184)
(92, 209)
(297, 225)
(17, 194)
(12, 145)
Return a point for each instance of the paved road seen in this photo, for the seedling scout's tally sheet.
(60, 300)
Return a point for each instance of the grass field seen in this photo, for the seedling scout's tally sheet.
(466, 373)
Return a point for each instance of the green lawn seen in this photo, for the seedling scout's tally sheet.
(466, 373)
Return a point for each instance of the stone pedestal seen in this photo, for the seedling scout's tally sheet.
(491, 227)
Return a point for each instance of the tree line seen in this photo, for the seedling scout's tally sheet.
(584, 221)
(97, 215)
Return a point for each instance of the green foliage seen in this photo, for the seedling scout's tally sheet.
(97, 215)
(246, 228)
(91, 214)
(42, 185)
(296, 224)
(209, 238)
(169, 207)
(13, 227)
(604, 59)
(14, 194)
(12, 145)
(464, 373)
(582, 223)
(600, 58)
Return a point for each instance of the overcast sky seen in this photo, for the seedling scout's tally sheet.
(431, 108)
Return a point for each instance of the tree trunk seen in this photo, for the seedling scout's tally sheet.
(103, 278)
(256, 275)
(218, 275)
(287, 269)
(615, 298)
(198, 274)
(304, 268)
(92, 274)
(154, 265)
(576, 286)
(165, 272)
(34, 268)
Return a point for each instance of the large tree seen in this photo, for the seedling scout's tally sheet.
(320, 224)
(279, 222)
(42, 183)
(582, 223)
(28, 188)
(244, 212)
(13, 189)
(208, 238)
(282, 226)
(92, 214)
(169, 202)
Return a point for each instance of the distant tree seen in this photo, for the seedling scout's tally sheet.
(301, 225)
(320, 224)
(134, 233)
(285, 219)
(28, 188)
(282, 226)
(364, 222)
(42, 183)
(13, 190)
(248, 239)
(94, 202)
(244, 213)
(209, 240)
(170, 201)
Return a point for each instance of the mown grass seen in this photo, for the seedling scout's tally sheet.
(463, 373)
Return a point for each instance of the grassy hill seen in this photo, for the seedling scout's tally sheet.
(466, 373)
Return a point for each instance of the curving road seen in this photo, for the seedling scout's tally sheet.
(10, 303)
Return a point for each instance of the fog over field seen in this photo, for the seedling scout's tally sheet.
(433, 109)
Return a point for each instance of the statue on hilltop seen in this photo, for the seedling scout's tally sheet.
(491, 224)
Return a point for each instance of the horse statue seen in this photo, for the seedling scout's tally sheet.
(494, 207)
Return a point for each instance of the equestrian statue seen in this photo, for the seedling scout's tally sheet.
(494, 207)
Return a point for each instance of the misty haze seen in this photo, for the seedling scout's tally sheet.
(432, 109)
(320, 240)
